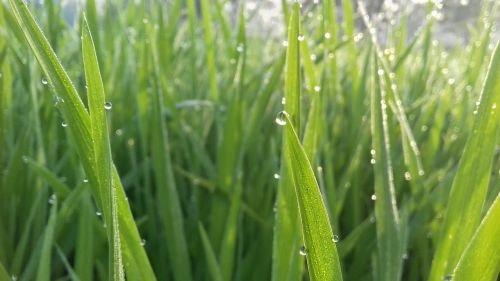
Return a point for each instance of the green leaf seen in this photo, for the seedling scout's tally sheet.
(102, 150)
(322, 258)
(481, 258)
(470, 185)
(44, 268)
(389, 238)
(213, 265)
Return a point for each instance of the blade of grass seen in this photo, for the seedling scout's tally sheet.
(287, 263)
(321, 253)
(389, 248)
(102, 150)
(481, 259)
(44, 269)
(213, 265)
(470, 185)
(78, 120)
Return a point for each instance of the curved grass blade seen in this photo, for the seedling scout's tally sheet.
(321, 253)
(470, 185)
(102, 150)
(481, 259)
(78, 120)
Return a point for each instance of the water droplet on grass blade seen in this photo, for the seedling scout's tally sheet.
(300, 37)
(276, 176)
(52, 199)
(44, 81)
(328, 35)
(143, 242)
(281, 118)
(448, 277)
(303, 251)
(64, 124)
(85, 180)
(317, 88)
(335, 238)
(407, 176)
(108, 105)
(98, 213)
(373, 161)
(374, 197)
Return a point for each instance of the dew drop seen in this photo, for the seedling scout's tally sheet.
(374, 197)
(372, 152)
(372, 161)
(303, 251)
(284, 43)
(14, 277)
(64, 124)
(380, 72)
(335, 238)
(405, 256)
(98, 213)
(85, 180)
(283, 100)
(448, 277)
(240, 48)
(52, 199)
(281, 118)
(328, 35)
(494, 106)
(44, 81)
(108, 105)
(143, 242)
(276, 176)
(317, 88)
(300, 37)
(407, 176)
(421, 172)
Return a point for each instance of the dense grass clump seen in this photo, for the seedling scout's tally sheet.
(162, 140)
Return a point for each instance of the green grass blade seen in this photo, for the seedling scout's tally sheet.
(481, 259)
(213, 265)
(102, 150)
(287, 263)
(321, 253)
(292, 69)
(389, 248)
(44, 269)
(210, 47)
(78, 122)
(470, 185)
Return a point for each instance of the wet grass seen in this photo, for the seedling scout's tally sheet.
(167, 141)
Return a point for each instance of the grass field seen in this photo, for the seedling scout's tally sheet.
(161, 140)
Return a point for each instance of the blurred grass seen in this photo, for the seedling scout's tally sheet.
(206, 185)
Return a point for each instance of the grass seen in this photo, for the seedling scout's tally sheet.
(142, 144)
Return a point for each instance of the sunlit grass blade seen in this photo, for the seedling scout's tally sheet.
(389, 244)
(78, 122)
(320, 250)
(481, 259)
(102, 157)
(470, 185)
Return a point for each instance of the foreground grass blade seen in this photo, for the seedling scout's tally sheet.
(287, 263)
(321, 252)
(213, 265)
(470, 185)
(481, 259)
(44, 268)
(389, 248)
(102, 158)
(78, 121)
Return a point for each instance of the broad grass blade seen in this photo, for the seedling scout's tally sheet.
(321, 253)
(470, 185)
